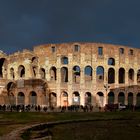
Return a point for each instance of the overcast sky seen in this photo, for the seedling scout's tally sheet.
(26, 23)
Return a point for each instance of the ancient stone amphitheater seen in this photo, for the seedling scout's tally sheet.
(71, 74)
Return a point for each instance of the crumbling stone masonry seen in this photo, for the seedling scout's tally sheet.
(71, 74)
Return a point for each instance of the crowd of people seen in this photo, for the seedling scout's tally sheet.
(38, 108)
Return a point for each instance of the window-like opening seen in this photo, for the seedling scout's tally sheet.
(64, 99)
(88, 73)
(76, 74)
(87, 98)
(130, 98)
(100, 50)
(110, 98)
(33, 98)
(100, 99)
(42, 73)
(21, 98)
(138, 76)
(131, 75)
(121, 50)
(12, 74)
(76, 48)
(111, 76)
(2, 68)
(34, 71)
(21, 71)
(64, 60)
(53, 74)
(121, 98)
(64, 74)
(53, 99)
(138, 100)
(121, 75)
(76, 98)
(53, 49)
(100, 74)
(111, 61)
(131, 52)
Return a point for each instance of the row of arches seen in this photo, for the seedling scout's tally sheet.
(76, 99)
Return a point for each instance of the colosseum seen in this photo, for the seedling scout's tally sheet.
(71, 74)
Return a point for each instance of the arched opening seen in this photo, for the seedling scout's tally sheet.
(64, 60)
(12, 73)
(21, 71)
(87, 98)
(130, 98)
(35, 69)
(121, 98)
(138, 76)
(121, 75)
(100, 74)
(11, 98)
(53, 99)
(111, 61)
(110, 98)
(53, 73)
(42, 73)
(100, 99)
(34, 66)
(64, 99)
(33, 98)
(76, 74)
(131, 75)
(138, 100)
(2, 67)
(111, 76)
(76, 98)
(88, 73)
(64, 74)
(20, 98)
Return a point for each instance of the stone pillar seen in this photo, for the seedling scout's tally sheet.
(115, 97)
(135, 77)
(126, 76)
(82, 99)
(116, 76)
(125, 98)
(134, 99)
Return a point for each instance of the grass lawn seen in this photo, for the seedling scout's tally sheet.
(104, 125)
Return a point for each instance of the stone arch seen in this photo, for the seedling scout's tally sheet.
(111, 98)
(88, 98)
(138, 100)
(64, 99)
(121, 75)
(121, 98)
(111, 75)
(42, 73)
(53, 73)
(88, 73)
(12, 73)
(131, 75)
(20, 98)
(64, 60)
(111, 61)
(34, 64)
(76, 98)
(100, 99)
(64, 74)
(11, 98)
(53, 99)
(138, 76)
(130, 98)
(3, 67)
(100, 74)
(33, 98)
(21, 71)
(76, 74)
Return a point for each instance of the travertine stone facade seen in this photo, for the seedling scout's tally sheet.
(71, 74)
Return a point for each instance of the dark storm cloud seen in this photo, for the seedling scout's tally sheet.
(25, 23)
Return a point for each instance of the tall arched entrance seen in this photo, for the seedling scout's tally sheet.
(121, 98)
(33, 98)
(64, 99)
(21, 98)
(130, 98)
(111, 98)
(53, 99)
(138, 100)
(100, 99)
(87, 98)
(76, 98)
